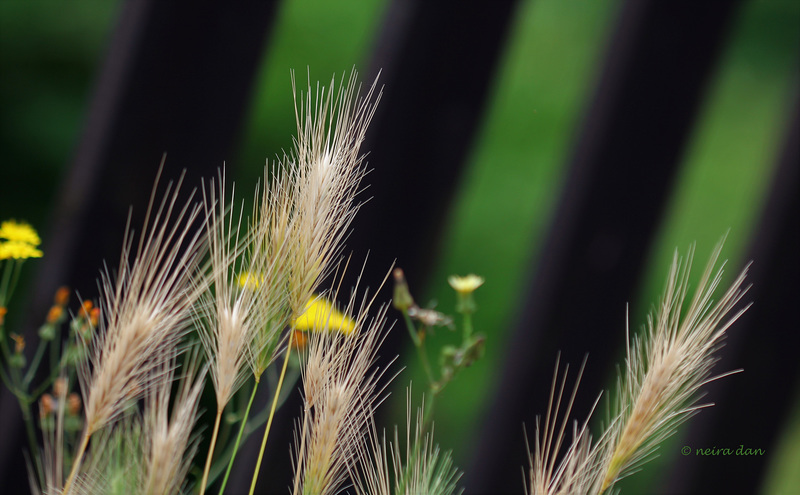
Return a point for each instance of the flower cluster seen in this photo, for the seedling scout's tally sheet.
(18, 240)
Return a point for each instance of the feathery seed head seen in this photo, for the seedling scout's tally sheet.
(339, 395)
(658, 389)
(383, 469)
(667, 366)
(168, 443)
(146, 309)
(232, 313)
(327, 169)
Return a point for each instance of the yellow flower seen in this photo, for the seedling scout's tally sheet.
(321, 315)
(18, 250)
(249, 281)
(19, 232)
(465, 285)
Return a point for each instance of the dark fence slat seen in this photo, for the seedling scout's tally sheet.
(175, 80)
(654, 74)
(437, 63)
(754, 406)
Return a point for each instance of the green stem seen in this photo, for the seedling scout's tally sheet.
(29, 428)
(412, 329)
(6, 380)
(272, 411)
(76, 463)
(238, 438)
(37, 357)
(467, 323)
(210, 451)
(38, 391)
(10, 279)
(427, 414)
(420, 345)
(4, 292)
(301, 452)
(254, 423)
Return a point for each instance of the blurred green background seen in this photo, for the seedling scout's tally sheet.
(50, 54)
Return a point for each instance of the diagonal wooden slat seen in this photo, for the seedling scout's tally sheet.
(763, 344)
(437, 64)
(175, 81)
(626, 155)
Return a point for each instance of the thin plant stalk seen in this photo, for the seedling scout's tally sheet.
(272, 413)
(210, 451)
(77, 462)
(238, 438)
(302, 450)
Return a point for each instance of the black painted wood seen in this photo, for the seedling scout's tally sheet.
(175, 80)
(626, 155)
(437, 63)
(754, 407)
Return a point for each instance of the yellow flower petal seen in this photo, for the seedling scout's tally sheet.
(321, 315)
(249, 281)
(18, 250)
(20, 232)
(465, 285)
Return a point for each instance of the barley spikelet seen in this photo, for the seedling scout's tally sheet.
(385, 470)
(234, 311)
(577, 471)
(327, 170)
(340, 391)
(665, 368)
(146, 311)
(168, 444)
(115, 464)
(272, 230)
(658, 389)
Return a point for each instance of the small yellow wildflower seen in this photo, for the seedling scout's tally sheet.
(465, 285)
(19, 232)
(249, 281)
(18, 250)
(321, 315)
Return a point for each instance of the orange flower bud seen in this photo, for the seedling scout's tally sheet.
(54, 314)
(19, 343)
(46, 405)
(94, 316)
(60, 387)
(300, 340)
(86, 308)
(74, 404)
(62, 296)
